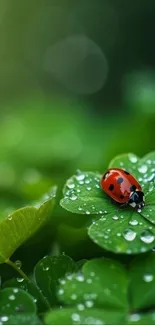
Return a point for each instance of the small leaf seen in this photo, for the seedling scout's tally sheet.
(124, 231)
(142, 287)
(22, 224)
(72, 316)
(49, 271)
(14, 301)
(29, 287)
(141, 319)
(103, 283)
(23, 319)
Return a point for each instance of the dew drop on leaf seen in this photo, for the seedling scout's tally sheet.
(80, 307)
(89, 303)
(4, 318)
(133, 222)
(12, 297)
(135, 317)
(76, 317)
(143, 169)
(133, 159)
(129, 234)
(115, 217)
(20, 280)
(73, 197)
(18, 264)
(148, 277)
(147, 237)
(80, 177)
(73, 296)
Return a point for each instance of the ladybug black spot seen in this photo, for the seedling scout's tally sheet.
(119, 180)
(121, 196)
(111, 187)
(132, 188)
(125, 172)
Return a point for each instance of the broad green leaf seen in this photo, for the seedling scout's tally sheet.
(49, 271)
(83, 194)
(22, 224)
(14, 301)
(21, 319)
(123, 231)
(142, 283)
(120, 230)
(141, 319)
(29, 287)
(103, 283)
(79, 315)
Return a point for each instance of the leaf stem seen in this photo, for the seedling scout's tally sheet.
(15, 267)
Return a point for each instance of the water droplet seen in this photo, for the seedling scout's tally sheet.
(80, 209)
(129, 234)
(62, 281)
(115, 217)
(45, 268)
(60, 291)
(80, 177)
(148, 277)
(121, 164)
(80, 278)
(80, 307)
(73, 296)
(89, 188)
(89, 303)
(133, 222)
(87, 212)
(92, 274)
(133, 158)
(9, 217)
(73, 197)
(87, 181)
(15, 290)
(20, 280)
(18, 264)
(143, 169)
(12, 297)
(4, 318)
(76, 317)
(147, 237)
(139, 210)
(89, 280)
(135, 317)
(70, 185)
(119, 234)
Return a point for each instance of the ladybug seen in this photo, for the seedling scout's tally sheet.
(123, 188)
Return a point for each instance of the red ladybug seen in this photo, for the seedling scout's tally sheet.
(123, 188)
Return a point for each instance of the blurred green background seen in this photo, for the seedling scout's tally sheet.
(77, 87)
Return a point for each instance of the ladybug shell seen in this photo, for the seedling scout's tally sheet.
(119, 184)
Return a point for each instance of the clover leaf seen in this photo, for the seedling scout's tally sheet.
(120, 230)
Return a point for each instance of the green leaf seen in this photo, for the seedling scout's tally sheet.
(72, 316)
(120, 230)
(103, 283)
(29, 287)
(124, 231)
(14, 300)
(49, 271)
(22, 224)
(141, 319)
(22, 319)
(142, 283)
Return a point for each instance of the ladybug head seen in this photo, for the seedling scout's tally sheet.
(137, 199)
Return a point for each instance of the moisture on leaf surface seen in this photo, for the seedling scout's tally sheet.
(120, 230)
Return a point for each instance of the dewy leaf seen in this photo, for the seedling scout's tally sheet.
(124, 231)
(22, 224)
(14, 301)
(142, 283)
(72, 316)
(29, 287)
(120, 230)
(49, 271)
(102, 284)
(21, 319)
